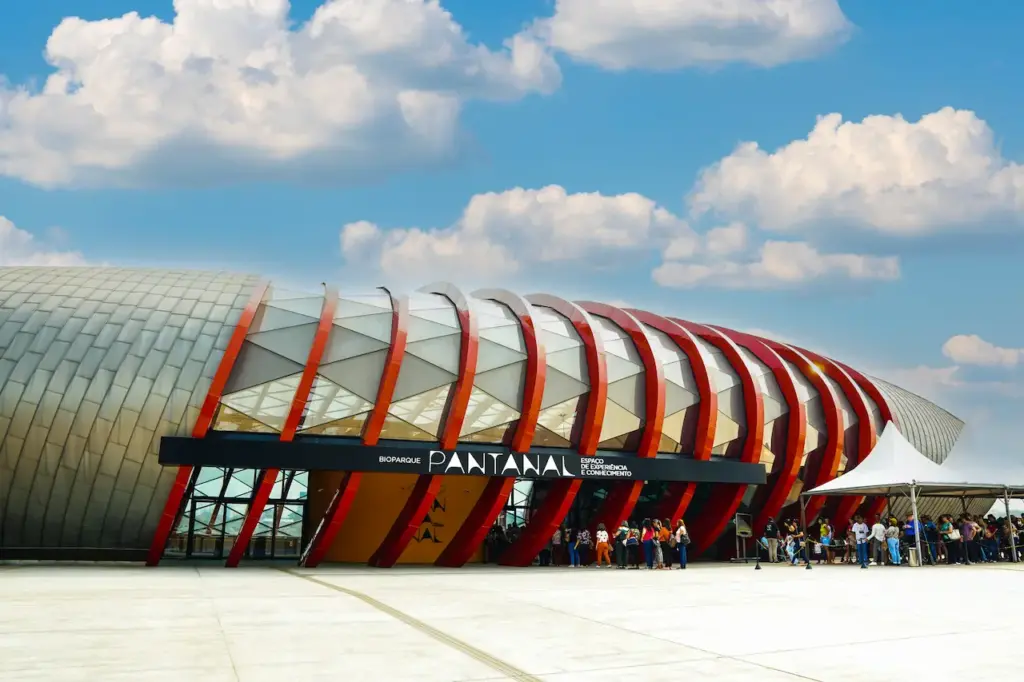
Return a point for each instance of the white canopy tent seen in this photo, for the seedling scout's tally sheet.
(895, 467)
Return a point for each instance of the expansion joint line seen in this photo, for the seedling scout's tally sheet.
(495, 664)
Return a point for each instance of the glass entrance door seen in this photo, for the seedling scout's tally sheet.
(216, 508)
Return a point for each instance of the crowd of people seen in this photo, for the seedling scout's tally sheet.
(888, 541)
(653, 544)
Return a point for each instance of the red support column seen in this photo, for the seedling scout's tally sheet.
(267, 478)
(722, 506)
(825, 467)
(495, 494)
(873, 506)
(176, 496)
(623, 495)
(425, 490)
(673, 506)
(769, 499)
(341, 503)
(842, 509)
(552, 510)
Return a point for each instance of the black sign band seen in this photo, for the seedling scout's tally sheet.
(468, 460)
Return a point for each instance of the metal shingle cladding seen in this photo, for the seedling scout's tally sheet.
(928, 427)
(96, 364)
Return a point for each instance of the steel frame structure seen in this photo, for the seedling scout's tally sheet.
(716, 513)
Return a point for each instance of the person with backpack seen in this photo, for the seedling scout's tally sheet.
(620, 545)
(633, 546)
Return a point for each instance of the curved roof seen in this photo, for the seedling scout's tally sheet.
(97, 364)
(928, 427)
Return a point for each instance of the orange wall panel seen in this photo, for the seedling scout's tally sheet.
(377, 504)
(455, 500)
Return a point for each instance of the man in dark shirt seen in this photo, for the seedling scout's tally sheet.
(771, 534)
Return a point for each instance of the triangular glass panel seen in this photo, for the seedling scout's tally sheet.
(345, 343)
(571, 361)
(629, 393)
(545, 438)
(228, 419)
(491, 355)
(672, 428)
(726, 430)
(730, 403)
(619, 368)
(496, 435)
(417, 376)
(311, 307)
(268, 403)
(560, 418)
(553, 323)
(490, 314)
(618, 421)
(678, 398)
(330, 402)
(358, 307)
(419, 329)
(292, 343)
(485, 411)
(425, 411)
(504, 383)
(553, 342)
(773, 409)
(441, 352)
(444, 316)
(421, 300)
(256, 365)
(376, 326)
(680, 374)
(399, 429)
(359, 375)
(510, 337)
(269, 319)
(559, 387)
(349, 426)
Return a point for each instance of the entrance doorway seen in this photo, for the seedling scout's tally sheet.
(216, 506)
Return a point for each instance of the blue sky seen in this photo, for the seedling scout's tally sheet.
(886, 238)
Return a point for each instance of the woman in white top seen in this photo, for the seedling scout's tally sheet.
(682, 540)
(603, 552)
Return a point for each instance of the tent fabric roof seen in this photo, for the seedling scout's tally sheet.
(894, 465)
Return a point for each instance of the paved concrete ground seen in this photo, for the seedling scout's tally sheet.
(97, 622)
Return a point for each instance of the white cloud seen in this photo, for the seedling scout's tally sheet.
(672, 34)
(776, 264)
(884, 173)
(500, 233)
(971, 349)
(18, 247)
(232, 86)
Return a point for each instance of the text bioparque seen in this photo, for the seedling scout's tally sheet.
(513, 464)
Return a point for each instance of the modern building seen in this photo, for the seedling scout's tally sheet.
(152, 414)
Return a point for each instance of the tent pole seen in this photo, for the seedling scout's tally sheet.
(1013, 541)
(918, 527)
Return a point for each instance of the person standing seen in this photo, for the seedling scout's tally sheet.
(668, 543)
(556, 546)
(825, 532)
(621, 535)
(570, 539)
(878, 544)
(633, 546)
(583, 546)
(771, 534)
(860, 536)
(602, 546)
(682, 540)
(892, 541)
(647, 540)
